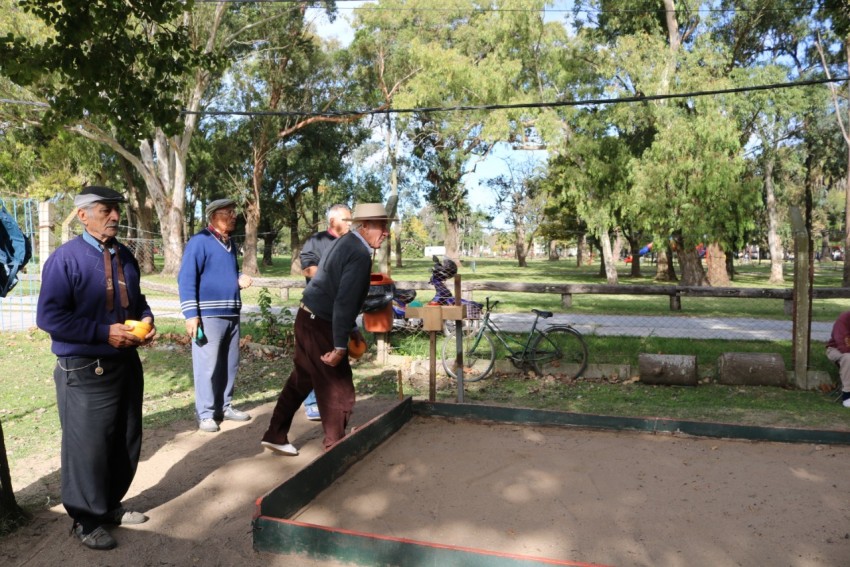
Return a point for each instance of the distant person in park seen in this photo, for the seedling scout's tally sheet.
(209, 282)
(838, 351)
(325, 323)
(339, 223)
(89, 288)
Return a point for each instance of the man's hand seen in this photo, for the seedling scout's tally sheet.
(335, 356)
(121, 337)
(192, 327)
(245, 281)
(149, 337)
(309, 271)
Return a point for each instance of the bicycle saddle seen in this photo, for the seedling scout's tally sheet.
(544, 314)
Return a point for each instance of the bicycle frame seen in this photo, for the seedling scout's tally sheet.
(516, 356)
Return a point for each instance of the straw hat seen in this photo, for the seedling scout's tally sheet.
(370, 211)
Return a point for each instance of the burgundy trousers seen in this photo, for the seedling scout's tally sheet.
(333, 384)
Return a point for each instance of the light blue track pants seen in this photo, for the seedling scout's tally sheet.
(214, 365)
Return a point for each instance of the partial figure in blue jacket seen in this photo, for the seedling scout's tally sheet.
(89, 288)
(210, 299)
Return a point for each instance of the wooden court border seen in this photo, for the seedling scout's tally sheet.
(275, 532)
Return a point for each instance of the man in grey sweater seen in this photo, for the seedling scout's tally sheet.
(324, 323)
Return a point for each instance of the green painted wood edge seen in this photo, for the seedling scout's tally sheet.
(696, 428)
(320, 542)
(303, 487)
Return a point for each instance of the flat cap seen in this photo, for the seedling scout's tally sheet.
(96, 194)
(218, 204)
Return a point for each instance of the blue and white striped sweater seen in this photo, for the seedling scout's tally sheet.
(209, 279)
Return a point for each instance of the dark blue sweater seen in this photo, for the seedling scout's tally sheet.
(72, 300)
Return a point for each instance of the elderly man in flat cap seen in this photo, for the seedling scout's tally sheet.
(89, 288)
(324, 324)
(210, 299)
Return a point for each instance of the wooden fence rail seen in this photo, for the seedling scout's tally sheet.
(566, 291)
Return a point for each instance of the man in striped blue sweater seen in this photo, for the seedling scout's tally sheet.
(210, 299)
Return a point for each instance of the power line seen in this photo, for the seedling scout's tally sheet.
(556, 104)
(372, 6)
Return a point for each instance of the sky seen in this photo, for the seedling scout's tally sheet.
(480, 196)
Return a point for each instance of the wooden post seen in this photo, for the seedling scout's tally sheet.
(675, 302)
(566, 300)
(432, 372)
(802, 316)
(459, 343)
(45, 231)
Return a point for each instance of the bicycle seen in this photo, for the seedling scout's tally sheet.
(555, 346)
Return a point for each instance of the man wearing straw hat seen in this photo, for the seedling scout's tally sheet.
(324, 323)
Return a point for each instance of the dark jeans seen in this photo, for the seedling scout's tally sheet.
(101, 417)
(333, 385)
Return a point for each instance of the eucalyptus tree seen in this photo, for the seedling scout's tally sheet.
(382, 52)
(290, 79)
(521, 198)
(837, 34)
(465, 53)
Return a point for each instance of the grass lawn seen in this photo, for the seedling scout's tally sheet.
(31, 426)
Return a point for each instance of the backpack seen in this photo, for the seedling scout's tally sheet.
(15, 251)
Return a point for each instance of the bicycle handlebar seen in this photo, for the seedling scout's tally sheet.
(490, 306)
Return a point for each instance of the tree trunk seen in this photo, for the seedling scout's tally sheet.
(826, 247)
(774, 241)
(294, 241)
(520, 249)
(846, 280)
(249, 247)
(662, 267)
(715, 259)
(730, 265)
(552, 246)
(634, 250)
(581, 249)
(11, 515)
(617, 246)
(142, 214)
(610, 263)
(451, 242)
(268, 247)
(692, 272)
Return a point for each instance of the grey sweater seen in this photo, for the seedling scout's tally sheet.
(339, 288)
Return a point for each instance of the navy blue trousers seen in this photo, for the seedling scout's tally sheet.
(101, 417)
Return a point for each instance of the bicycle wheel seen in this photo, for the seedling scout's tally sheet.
(478, 355)
(561, 349)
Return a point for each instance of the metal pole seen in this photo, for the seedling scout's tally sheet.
(459, 342)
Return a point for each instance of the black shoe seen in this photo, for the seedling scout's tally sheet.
(98, 538)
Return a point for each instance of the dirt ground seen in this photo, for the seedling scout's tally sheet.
(621, 499)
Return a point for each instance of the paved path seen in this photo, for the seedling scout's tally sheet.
(18, 313)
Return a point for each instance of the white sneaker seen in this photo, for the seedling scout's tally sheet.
(846, 403)
(287, 449)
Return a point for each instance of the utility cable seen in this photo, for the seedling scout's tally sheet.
(555, 104)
